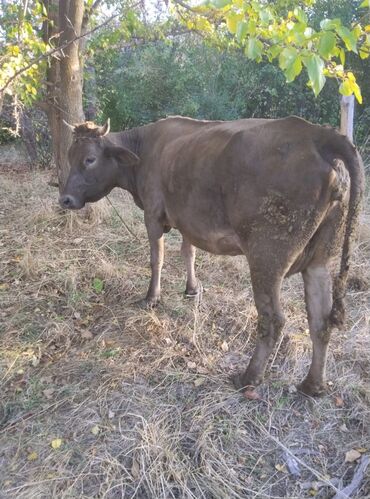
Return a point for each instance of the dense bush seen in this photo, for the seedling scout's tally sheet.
(145, 83)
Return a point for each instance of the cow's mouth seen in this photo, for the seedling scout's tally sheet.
(69, 202)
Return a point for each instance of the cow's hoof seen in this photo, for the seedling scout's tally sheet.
(241, 383)
(195, 292)
(147, 303)
(312, 389)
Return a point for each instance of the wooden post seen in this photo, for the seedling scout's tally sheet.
(347, 105)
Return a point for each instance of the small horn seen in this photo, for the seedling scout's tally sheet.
(71, 127)
(104, 130)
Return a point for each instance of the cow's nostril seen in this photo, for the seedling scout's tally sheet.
(66, 201)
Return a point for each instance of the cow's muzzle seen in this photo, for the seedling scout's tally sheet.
(69, 202)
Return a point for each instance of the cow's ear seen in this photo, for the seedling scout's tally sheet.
(124, 156)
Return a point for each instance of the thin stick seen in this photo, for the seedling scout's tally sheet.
(124, 223)
(312, 470)
(356, 480)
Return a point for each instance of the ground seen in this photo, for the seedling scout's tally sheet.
(102, 399)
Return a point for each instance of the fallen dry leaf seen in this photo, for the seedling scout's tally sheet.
(135, 468)
(87, 335)
(56, 443)
(352, 455)
(281, 467)
(48, 393)
(35, 361)
(251, 395)
(339, 402)
(225, 347)
(32, 456)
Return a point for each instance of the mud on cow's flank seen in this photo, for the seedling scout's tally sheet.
(140, 401)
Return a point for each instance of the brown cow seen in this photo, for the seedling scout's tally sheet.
(269, 189)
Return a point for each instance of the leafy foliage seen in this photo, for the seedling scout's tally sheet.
(281, 31)
(190, 78)
(20, 26)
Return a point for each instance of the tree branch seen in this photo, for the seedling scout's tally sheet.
(52, 52)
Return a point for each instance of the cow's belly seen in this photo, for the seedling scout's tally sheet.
(203, 222)
(216, 243)
(219, 241)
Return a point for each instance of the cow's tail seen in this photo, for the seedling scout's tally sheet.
(333, 145)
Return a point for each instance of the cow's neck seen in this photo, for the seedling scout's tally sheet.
(132, 140)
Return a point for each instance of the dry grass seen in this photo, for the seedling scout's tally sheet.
(142, 399)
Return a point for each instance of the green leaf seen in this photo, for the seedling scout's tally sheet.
(287, 57)
(254, 48)
(300, 15)
(219, 4)
(273, 52)
(327, 44)
(290, 62)
(365, 3)
(251, 27)
(266, 16)
(98, 285)
(342, 56)
(348, 37)
(241, 31)
(327, 24)
(294, 69)
(315, 67)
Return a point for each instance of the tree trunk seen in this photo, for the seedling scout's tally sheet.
(90, 91)
(28, 137)
(64, 79)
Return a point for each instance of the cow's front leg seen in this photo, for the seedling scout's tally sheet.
(155, 234)
(193, 286)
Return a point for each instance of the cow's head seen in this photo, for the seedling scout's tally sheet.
(97, 165)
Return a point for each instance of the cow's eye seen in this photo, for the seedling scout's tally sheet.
(90, 160)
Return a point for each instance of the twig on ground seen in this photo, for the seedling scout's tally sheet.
(356, 480)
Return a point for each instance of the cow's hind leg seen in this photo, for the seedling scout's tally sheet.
(193, 286)
(318, 296)
(266, 289)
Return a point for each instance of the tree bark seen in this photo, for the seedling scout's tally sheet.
(90, 91)
(28, 137)
(64, 79)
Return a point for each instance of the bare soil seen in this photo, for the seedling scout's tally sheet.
(101, 399)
